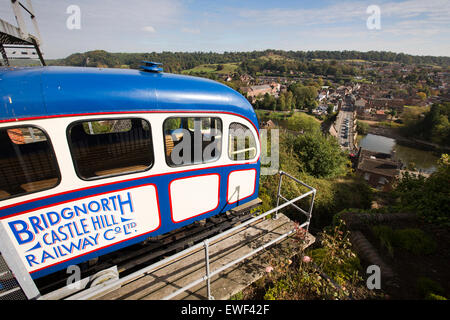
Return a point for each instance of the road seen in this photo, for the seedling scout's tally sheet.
(344, 127)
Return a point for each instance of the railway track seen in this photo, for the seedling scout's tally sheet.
(153, 249)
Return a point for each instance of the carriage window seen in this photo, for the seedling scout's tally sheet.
(192, 140)
(104, 148)
(27, 162)
(242, 143)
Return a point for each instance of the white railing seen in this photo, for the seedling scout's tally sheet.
(206, 244)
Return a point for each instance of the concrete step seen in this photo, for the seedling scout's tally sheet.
(175, 275)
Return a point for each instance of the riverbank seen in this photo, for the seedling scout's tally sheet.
(411, 157)
(402, 140)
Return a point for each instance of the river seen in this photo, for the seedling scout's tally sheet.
(424, 160)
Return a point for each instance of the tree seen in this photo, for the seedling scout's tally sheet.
(290, 101)
(304, 96)
(320, 81)
(362, 127)
(330, 108)
(392, 113)
(427, 196)
(422, 95)
(320, 155)
(269, 102)
(282, 102)
(435, 125)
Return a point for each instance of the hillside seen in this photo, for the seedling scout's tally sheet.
(179, 61)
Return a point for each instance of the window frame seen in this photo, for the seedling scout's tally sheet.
(71, 147)
(254, 139)
(199, 115)
(55, 160)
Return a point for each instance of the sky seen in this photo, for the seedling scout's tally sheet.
(418, 27)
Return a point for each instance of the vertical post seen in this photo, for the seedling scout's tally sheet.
(4, 55)
(278, 194)
(91, 130)
(38, 51)
(20, 22)
(33, 20)
(208, 280)
(30, 130)
(311, 209)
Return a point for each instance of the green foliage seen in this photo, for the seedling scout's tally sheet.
(304, 96)
(172, 123)
(434, 126)
(432, 296)
(237, 296)
(413, 240)
(336, 258)
(333, 195)
(386, 236)
(306, 283)
(362, 127)
(427, 286)
(275, 61)
(332, 272)
(342, 271)
(320, 155)
(428, 197)
(300, 121)
(98, 127)
(297, 96)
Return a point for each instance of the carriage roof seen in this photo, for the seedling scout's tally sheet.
(52, 91)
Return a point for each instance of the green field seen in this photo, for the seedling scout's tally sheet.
(415, 110)
(346, 60)
(276, 57)
(212, 68)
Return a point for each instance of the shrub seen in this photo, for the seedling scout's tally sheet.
(315, 276)
(342, 271)
(237, 296)
(412, 240)
(428, 197)
(386, 236)
(432, 296)
(362, 127)
(300, 121)
(333, 195)
(336, 258)
(426, 286)
(320, 155)
(415, 241)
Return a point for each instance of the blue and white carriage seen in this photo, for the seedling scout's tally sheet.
(94, 160)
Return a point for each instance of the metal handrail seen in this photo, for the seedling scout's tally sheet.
(95, 291)
(243, 151)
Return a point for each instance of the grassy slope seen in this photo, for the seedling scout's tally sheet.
(212, 68)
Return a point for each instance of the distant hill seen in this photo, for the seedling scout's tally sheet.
(179, 61)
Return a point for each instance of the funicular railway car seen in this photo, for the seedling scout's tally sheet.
(94, 160)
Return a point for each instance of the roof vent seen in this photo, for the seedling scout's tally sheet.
(152, 66)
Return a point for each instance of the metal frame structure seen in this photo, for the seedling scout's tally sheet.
(13, 261)
(205, 245)
(18, 37)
